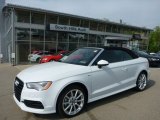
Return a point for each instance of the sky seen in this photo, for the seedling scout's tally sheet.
(142, 13)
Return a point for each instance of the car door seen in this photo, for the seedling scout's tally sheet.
(110, 78)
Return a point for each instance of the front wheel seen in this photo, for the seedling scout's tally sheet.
(71, 101)
(141, 81)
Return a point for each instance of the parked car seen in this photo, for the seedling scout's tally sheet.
(154, 61)
(55, 57)
(36, 55)
(157, 54)
(86, 75)
(152, 53)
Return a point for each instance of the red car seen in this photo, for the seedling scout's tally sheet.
(55, 57)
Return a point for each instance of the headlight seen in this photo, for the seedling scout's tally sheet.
(45, 58)
(39, 85)
(154, 59)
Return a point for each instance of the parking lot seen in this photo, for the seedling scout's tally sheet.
(128, 105)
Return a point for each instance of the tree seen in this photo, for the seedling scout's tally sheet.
(154, 40)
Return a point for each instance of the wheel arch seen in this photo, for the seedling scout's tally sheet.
(139, 88)
(73, 84)
(144, 71)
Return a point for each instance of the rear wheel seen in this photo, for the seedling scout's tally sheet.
(71, 101)
(141, 81)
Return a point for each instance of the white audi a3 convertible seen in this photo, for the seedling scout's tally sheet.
(86, 75)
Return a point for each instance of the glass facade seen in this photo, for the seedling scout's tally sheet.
(22, 51)
(32, 33)
(23, 16)
(37, 18)
(51, 19)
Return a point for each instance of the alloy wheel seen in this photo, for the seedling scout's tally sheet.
(73, 102)
(142, 81)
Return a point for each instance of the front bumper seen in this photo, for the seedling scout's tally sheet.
(44, 61)
(41, 102)
(46, 110)
(32, 59)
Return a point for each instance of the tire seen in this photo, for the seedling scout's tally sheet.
(71, 101)
(141, 81)
(37, 60)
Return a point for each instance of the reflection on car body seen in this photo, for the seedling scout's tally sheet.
(54, 57)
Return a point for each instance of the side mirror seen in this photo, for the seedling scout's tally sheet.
(102, 63)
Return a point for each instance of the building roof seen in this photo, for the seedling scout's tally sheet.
(33, 5)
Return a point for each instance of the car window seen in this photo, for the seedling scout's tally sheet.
(122, 55)
(82, 56)
(113, 56)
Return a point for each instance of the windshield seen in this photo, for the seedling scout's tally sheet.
(82, 56)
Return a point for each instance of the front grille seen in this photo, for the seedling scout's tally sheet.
(33, 104)
(18, 86)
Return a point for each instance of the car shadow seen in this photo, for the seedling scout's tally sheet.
(101, 102)
(54, 116)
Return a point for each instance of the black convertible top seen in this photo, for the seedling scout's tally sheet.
(121, 48)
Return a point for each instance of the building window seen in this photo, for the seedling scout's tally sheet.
(62, 46)
(22, 51)
(101, 27)
(52, 19)
(92, 39)
(92, 45)
(22, 34)
(37, 46)
(37, 35)
(63, 37)
(84, 23)
(114, 29)
(73, 46)
(73, 37)
(100, 39)
(37, 42)
(22, 45)
(108, 28)
(37, 18)
(63, 20)
(74, 22)
(51, 46)
(93, 25)
(118, 29)
(83, 40)
(50, 36)
(22, 16)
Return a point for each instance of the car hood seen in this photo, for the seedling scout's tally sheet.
(51, 72)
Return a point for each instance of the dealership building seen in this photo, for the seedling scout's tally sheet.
(24, 29)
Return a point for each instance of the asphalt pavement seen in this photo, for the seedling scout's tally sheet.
(128, 105)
